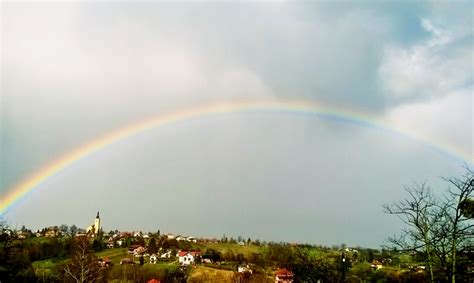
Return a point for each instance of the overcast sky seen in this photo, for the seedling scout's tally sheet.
(72, 72)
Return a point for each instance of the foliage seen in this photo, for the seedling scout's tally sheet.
(15, 263)
(152, 246)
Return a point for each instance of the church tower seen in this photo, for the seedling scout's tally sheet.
(97, 224)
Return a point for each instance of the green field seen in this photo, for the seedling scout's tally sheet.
(115, 255)
(246, 250)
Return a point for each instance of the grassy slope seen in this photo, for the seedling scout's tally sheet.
(246, 250)
(206, 274)
(115, 255)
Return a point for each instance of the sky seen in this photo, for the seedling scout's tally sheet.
(74, 71)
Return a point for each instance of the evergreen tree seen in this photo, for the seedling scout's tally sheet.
(152, 246)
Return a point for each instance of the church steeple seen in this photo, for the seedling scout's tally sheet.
(97, 224)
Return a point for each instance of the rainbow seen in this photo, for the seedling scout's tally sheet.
(20, 190)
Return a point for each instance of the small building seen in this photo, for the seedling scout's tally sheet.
(244, 269)
(188, 258)
(283, 275)
(376, 265)
(153, 259)
(166, 254)
(52, 232)
(191, 239)
(137, 233)
(136, 249)
(139, 251)
(105, 262)
(22, 234)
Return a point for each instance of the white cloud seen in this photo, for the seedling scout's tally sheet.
(440, 36)
(434, 67)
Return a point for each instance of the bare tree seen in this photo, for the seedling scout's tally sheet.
(83, 266)
(459, 228)
(418, 213)
(437, 228)
(63, 228)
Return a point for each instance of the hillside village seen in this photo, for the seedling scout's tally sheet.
(138, 256)
(141, 250)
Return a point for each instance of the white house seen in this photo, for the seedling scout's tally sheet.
(244, 269)
(139, 251)
(137, 233)
(166, 254)
(188, 258)
(191, 239)
(376, 265)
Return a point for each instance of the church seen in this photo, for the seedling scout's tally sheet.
(94, 229)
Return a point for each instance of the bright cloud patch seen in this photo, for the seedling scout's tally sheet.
(434, 67)
(428, 120)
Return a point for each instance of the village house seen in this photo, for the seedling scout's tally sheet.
(166, 254)
(153, 259)
(187, 239)
(244, 269)
(105, 262)
(111, 242)
(376, 265)
(283, 275)
(206, 260)
(137, 234)
(136, 250)
(52, 232)
(191, 239)
(22, 234)
(188, 258)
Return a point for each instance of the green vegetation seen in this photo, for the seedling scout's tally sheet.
(307, 262)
